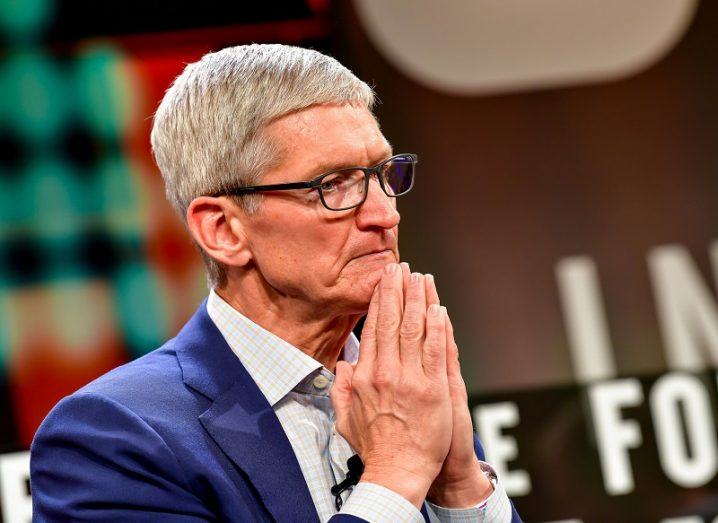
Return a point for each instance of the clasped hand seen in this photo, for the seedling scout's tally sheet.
(403, 407)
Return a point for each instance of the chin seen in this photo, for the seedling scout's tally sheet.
(358, 293)
(356, 298)
(371, 278)
(365, 289)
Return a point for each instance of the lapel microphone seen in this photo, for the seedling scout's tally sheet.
(356, 469)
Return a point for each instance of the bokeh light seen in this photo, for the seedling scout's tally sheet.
(23, 20)
(141, 307)
(34, 95)
(105, 91)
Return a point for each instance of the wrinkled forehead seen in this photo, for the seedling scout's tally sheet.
(324, 137)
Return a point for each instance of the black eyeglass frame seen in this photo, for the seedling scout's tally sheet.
(316, 183)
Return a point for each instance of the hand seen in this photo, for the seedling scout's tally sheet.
(461, 482)
(394, 407)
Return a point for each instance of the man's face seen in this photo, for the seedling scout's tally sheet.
(329, 259)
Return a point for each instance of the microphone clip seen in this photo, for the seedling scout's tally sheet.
(356, 469)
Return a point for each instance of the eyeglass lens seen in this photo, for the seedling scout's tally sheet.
(345, 189)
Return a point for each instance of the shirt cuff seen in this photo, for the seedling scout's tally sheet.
(494, 509)
(378, 504)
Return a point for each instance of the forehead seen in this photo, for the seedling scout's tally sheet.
(329, 135)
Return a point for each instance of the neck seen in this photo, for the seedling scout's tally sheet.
(315, 331)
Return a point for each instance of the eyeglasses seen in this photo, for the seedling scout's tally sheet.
(348, 188)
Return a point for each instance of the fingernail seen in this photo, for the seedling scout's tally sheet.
(390, 268)
(443, 310)
(430, 278)
(434, 309)
(415, 277)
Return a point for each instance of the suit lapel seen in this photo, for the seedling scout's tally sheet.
(241, 421)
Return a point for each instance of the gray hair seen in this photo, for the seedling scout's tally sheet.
(207, 133)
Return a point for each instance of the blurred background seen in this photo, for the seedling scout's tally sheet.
(566, 203)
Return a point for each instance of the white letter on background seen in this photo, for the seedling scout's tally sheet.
(615, 435)
(585, 319)
(14, 474)
(688, 313)
(500, 448)
(694, 462)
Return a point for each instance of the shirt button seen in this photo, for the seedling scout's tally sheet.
(321, 382)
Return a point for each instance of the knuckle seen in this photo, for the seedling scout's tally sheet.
(426, 395)
(368, 334)
(411, 329)
(435, 336)
(434, 343)
(382, 378)
(416, 389)
(387, 323)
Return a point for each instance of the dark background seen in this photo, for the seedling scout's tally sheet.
(95, 269)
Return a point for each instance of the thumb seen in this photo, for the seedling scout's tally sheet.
(341, 392)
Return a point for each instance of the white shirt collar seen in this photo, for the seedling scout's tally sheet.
(273, 363)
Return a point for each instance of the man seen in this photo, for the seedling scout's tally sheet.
(274, 159)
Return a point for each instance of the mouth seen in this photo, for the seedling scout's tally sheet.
(376, 254)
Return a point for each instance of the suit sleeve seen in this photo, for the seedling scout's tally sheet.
(93, 459)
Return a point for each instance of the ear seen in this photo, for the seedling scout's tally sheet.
(216, 225)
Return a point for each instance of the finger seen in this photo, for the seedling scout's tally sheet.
(413, 323)
(457, 386)
(434, 351)
(432, 295)
(405, 273)
(341, 392)
(367, 345)
(452, 351)
(388, 319)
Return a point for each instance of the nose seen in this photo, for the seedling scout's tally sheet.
(378, 210)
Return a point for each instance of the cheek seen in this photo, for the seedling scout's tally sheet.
(297, 248)
(298, 239)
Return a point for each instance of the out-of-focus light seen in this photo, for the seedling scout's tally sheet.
(141, 306)
(486, 47)
(16, 214)
(119, 197)
(59, 201)
(7, 197)
(33, 95)
(105, 91)
(4, 331)
(23, 20)
(81, 316)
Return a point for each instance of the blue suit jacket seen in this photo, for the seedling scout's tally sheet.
(181, 434)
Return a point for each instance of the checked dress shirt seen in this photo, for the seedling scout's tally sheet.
(297, 387)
